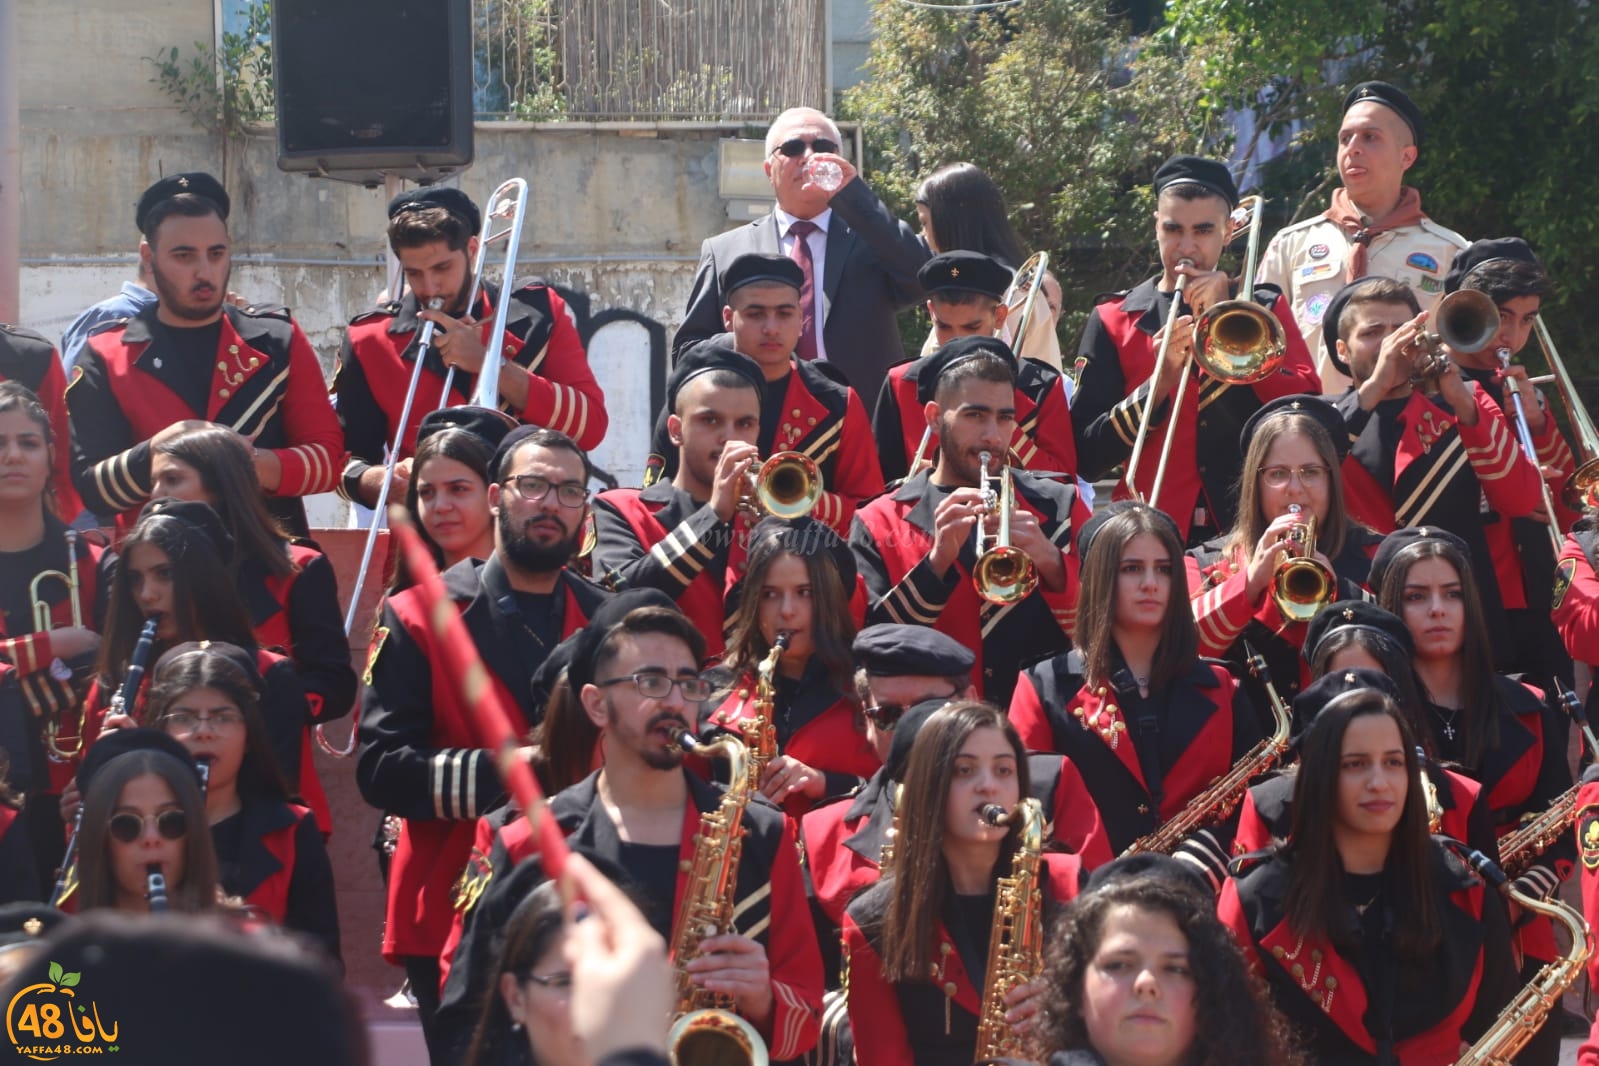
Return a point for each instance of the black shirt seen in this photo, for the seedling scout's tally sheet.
(652, 869)
(541, 613)
(194, 348)
(772, 398)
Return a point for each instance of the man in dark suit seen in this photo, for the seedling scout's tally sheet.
(864, 259)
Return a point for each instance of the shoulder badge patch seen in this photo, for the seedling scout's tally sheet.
(1317, 271)
(1422, 261)
(1319, 251)
(1077, 370)
(1563, 575)
(474, 879)
(1316, 307)
(1430, 285)
(379, 635)
(1588, 836)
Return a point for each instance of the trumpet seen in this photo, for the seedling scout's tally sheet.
(1465, 320)
(788, 485)
(1301, 585)
(1003, 574)
(42, 622)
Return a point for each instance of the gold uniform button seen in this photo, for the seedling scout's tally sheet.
(685, 865)
(1278, 952)
(1332, 983)
(950, 989)
(224, 393)
(795, 413)
(222, 366)
(233, 349)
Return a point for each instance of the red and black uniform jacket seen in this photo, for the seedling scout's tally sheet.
(29, 359)
(933, 1022)
(1575, 602)
(1114, 363)
(1043, 441)
(816, 724)
(1219, 587)
(892, 539)
(1587, 833)
(379, 358)
(264, 381)
(1412, 463)
(271, 856)
(822, 418)
(421, 755)
(19, 876)
(1142, 759)
(1364, 1002)
(30, 693)
(660, 538)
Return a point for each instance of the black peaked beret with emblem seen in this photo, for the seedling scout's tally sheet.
(1319, 693)
(198, 517)
(1357, 614)
(1390, 96)
(1481, 253)
(487, 424)
(910, 723)
(1305, 404)
(1335, 311)
(1197, 170)
(962, 271)
(116, 743)
(958, 351)
(712, 354)
(454, 201)
(894, 650)
(1096, 522)
(761, 268)
(195, 183)
(1398, 540)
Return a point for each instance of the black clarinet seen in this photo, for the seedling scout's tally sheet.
(155, 891)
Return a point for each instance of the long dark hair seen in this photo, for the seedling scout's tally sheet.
(15, 396)
(967, 212)
(1238, 1027)
(529, 935)
(832, 626)
(1475, 660)
(227, 473)
(1096, 603)
(1395, 662)
(918, 881)
(1251, 523)
(209, 666)
(96, 879)
(466, 448)
(1315, 905)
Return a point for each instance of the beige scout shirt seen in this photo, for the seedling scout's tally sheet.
(1308, 262)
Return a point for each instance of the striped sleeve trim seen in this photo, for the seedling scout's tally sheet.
(259, 413)
(918, 599)
(350, 481)
(1449, 462)
(1204, 852)
(1125, 416)
(682, 554)
(117, 482)
(1538, 882)
(452, 779)
(315, 467)
(1496, 457)
(795, 1016)
(1217, 631)
(1555, 452)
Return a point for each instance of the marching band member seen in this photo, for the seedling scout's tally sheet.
(545, 379)
(805, 406)
(1419, 457)
(420, 756)
(679, 535)
(916, 942)
(192, 356)
(916, 546)
(1373, 227)
(30, 360)
(1146, 721)
(1293, 448)
(448, 492)
(1576, 592)
(269, 849)
(38, 700)
(965, 294)
(1377, 943)
(1115, 362)
(798, 584)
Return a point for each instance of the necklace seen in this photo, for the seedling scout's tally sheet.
(1448, 721)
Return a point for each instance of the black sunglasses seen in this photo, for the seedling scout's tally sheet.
(795, 147)
(171, 824)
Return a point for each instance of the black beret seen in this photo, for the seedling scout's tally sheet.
(761, 268)
(1306, 404)
(910, 723)
(1481, 253)
(1197, 170)
(1400, 538)
(239, 657)
(198, 516)
(586, 642)
(119, 742)
(1335, 311)
(895, 650)
(806, 537)
(1357, 614)
(195, 183)
(24, 922)
(488, 425)
(707, 356)
(958, 351)
(1319, 693)
(1390, 96)
(1096, 522)
(454, 201)
(962, 271)
(1147, 864)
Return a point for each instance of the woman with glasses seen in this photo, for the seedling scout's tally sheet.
(269, 850)
(526, 1012)
(1293, 448)
(798, 583)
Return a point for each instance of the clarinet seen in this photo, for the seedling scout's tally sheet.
(156, 889)
(66, 880)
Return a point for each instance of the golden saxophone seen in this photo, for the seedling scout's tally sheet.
(760, 729)
(705, 1028)
(1225, 793)
(1525, 1014)
(1016, 942)
(1521, 847)
(885, 855)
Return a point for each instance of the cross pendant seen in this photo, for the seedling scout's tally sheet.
(1449, 732)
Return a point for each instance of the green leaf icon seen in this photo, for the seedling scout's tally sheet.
(55, 972)
(68, 980)
(82, 1009)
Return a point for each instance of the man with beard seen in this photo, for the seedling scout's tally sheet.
(916, 547)
(191, 358)
(545, 379)
(420, 755)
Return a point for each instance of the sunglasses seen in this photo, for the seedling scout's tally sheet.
(886, 716)
(795, 147)
(128, 827)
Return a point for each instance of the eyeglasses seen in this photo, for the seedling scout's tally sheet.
(654, 685)
(183, 723)
(795, 147)
(533, 488)
(561, 981)
(1278, 477)
(885, 716)
(127, 827)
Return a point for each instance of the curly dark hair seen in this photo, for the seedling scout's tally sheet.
(1240, 1025)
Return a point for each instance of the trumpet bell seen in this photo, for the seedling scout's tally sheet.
(1004, 575)
(714, 1038)
(1301, 588)
(789, 485)
(1239, 342)
(1466, 320)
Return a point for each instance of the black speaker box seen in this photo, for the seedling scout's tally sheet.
(373, 87)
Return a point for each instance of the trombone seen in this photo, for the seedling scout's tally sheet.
(1003, 574)
(1021, 298)
(1581, 490)
(788, 485)
(1301, 585)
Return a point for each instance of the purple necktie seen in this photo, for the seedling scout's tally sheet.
(801, 254)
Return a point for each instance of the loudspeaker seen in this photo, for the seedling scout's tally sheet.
(373, 87)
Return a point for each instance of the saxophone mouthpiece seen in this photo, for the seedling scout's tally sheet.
(1481, 864)
(784, 636)
(995, 815)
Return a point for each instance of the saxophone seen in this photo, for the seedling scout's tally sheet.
(1016, 944)
(760, 729)
(1521, 847)
(1522, 1016)
(1225, 793)
(705, 1028)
